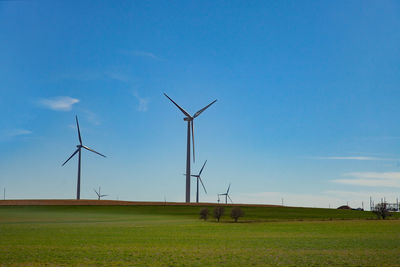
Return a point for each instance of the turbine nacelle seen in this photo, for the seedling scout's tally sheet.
(226, 195)
(188, 119)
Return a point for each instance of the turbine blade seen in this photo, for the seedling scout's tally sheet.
(229, 187)
(193, 139)
(230, 198)
(87, 148)
(202, 168)
(73, 154)
(201, 110)
(203, 185)
(194, 175)
(104, 195)
(181, 109)
(96, 192)
(79, 132)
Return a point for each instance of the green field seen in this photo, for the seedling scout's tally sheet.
(174, 236)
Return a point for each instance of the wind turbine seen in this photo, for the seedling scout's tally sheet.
(79, 150)
(99, 195)
(198, 176)
(190, 130)
(226, 195)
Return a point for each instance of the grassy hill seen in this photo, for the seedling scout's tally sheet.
(174, 236)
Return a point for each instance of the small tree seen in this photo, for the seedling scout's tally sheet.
(381, 211)
(236, 213)
(204, 213)
(218, 212)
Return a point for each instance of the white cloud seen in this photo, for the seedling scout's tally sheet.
(143, 102)
(6, 135)
(140, 54)
(119, 76)
(59, 103)
(91, 117)
(353, 158)
(18, 132)
(372, 179)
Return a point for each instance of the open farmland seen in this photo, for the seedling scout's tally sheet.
(163, 235)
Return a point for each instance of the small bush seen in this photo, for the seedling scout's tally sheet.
(381, 211)
(236, 213)
(218, 212)
(204, 214)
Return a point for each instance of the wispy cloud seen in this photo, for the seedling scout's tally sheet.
(18, 132)
(96, 75)
(139, 53)
(119, 76)
(59, 103)
(381, 138)
(91, 117)
(142, 102)
(371, 179)
(353, 158)
(6, 135)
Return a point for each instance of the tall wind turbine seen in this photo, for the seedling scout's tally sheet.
(190, 130)
(99, 195)
(79, 150)
(226, 195)
(198, 176)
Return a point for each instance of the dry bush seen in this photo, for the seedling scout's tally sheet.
(381, 211)
(236, 213)
(218, 212)
(204, 214)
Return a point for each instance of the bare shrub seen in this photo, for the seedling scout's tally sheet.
(204, 214)
(218, 212)
(381, 211)
(236, 213)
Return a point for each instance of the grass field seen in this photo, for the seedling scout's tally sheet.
(174, 236)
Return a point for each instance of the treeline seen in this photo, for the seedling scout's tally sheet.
(218, 212)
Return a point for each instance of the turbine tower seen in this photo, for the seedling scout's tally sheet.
(79, 150)
(226, 195)
(99, 195)
(190, 130)
(198, 176)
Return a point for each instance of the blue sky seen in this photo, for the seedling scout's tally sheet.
(307, 91)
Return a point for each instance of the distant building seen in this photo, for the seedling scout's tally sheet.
(344, 207)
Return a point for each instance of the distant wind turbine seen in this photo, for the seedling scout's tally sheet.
(99, 195)
(190, 130)
(79, 150)
(226, 195)
(198, 176)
